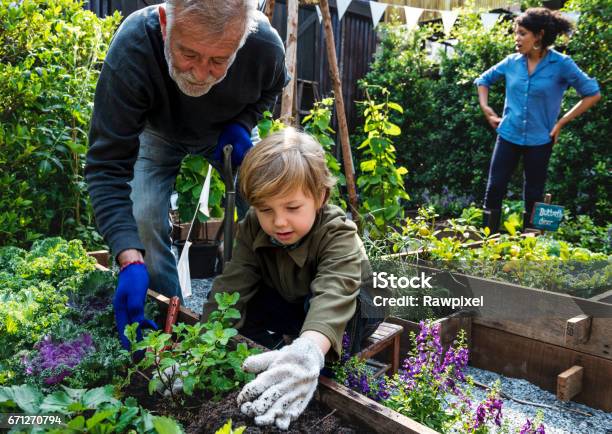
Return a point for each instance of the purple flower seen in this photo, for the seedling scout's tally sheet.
(57, 360)
(346, 345)
(481, 415)
(528, 428)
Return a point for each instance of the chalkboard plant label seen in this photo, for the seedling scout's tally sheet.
(547, 217)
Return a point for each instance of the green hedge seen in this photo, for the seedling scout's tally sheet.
(50, 55)
(446, 141)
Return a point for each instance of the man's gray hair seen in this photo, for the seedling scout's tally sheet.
(214, 15)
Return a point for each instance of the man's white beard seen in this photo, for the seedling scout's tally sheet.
(185, 81)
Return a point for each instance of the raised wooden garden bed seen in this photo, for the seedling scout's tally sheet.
(337, 399)
(533, 334)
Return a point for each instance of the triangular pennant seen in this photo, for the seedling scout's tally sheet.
(205, 193)
(448, 20)
(342, 6)
(572, 16)
(377, 10)
(184, 273)
(319, 14)
(488, 20)
(412, 16)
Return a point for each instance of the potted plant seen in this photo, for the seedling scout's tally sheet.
(203, 252)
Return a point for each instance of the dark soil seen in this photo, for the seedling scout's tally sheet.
(315, 419)
(207, 416)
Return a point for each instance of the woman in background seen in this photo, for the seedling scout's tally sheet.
(536, 78)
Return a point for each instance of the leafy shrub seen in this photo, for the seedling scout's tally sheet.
(50, 55)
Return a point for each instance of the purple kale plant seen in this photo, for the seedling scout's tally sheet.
(55, 361)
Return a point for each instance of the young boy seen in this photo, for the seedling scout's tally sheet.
(300, 268)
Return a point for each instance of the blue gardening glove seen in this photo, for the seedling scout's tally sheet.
(239, 137)
(130, 299)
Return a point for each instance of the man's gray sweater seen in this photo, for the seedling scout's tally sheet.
(135, 92)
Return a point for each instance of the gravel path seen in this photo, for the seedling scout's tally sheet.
(555, 421)
(199, 290)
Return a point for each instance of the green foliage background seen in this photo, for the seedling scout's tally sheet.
(50, 55)
(446, 141)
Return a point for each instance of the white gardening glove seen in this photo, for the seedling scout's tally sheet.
(288, 378)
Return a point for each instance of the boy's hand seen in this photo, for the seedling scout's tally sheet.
(285, 385)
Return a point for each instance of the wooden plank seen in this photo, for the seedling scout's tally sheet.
(355, 407)
(578, 330)
(540, 363)
(604, 297)
(101, 256)
(569, 383)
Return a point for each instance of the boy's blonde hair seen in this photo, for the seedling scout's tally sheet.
(283, 162)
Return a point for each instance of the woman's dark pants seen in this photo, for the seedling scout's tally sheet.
(505, 158)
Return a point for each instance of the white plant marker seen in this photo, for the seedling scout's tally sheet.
(184, 272)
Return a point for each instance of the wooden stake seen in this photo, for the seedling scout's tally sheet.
(286, 114)
(578, 330)
(569, 383)
(269, 10)
(340, 112)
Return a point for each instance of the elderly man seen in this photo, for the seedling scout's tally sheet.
(184, 77)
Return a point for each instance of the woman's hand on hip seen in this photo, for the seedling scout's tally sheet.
(554, 134)
(491, 117)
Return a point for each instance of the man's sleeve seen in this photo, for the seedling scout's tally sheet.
(118, 119)
(254, 112)
(335, 287)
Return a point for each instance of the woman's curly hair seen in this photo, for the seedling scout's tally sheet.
(551, 22)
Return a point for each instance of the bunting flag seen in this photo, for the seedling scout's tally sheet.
(572, 16)
(319, 14)
(488, 20)
(448, 20)
(412, 16)
(342, 6)
(377, 10)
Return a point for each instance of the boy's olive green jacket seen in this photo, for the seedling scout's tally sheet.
(327, 264)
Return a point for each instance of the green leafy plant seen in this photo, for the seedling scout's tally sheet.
(201, 358)
(381, 182)
(268, 125)
(317, 123)
(581, 230)
(227, 429)
(86, 411)
(51, 52)
(189, 183)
